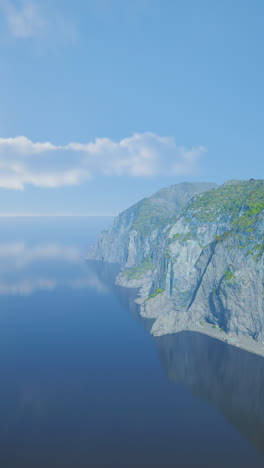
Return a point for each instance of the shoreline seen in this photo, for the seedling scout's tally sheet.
(238, 341)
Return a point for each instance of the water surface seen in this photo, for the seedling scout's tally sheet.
(84, 384)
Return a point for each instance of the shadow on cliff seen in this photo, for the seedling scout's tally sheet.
(231, 379)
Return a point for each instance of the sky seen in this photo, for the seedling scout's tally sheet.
(103, 102)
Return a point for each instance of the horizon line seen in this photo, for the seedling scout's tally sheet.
(53, 215)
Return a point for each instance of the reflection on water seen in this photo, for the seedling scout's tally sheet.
(27, 269)
(106, 274)
(63, 380)
(230, 379)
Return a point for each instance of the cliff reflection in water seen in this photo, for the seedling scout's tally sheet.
(106, 274)
(230, 379)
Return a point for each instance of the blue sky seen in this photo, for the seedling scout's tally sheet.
(104, 102)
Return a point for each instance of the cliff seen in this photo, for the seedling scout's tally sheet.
(196, 253)
(135, 230)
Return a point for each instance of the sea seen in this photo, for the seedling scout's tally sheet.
(84, 384)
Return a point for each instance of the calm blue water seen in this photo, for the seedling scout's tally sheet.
(83, 383)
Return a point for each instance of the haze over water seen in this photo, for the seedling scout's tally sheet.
(84, 384)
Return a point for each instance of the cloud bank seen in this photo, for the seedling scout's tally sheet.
(45, 164)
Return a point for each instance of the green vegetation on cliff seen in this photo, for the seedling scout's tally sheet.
(155, 293)
(240, 201)
(229, 277)
(161, 208)
(150, 216)
(138, 271)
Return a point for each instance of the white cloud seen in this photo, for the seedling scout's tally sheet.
(33, 19)
(24, 146)
(45, 164)
(23, 21)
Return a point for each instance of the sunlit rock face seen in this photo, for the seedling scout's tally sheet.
(136, 230)
(196, 252)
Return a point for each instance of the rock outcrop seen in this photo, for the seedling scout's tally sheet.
(196, 251)
(135, 230)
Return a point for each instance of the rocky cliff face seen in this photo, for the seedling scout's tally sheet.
(134, 231)
(198, 261)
